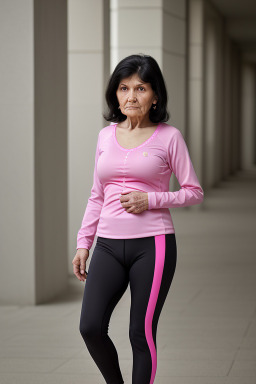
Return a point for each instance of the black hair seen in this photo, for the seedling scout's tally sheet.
(148, 70)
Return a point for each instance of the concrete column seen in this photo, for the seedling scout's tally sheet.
(196, 76)
(213, 96)
(231, 108)
(235, 96)
(88, 72)
(130, 33)
(174, 66)
(33, 150)
(227, 110)
(210, 104)
(248, 115)
(163, 36)
(219, 100)
(214, 92)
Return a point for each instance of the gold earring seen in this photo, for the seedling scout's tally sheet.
(154, 106)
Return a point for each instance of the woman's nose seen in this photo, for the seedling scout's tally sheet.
(131, 96)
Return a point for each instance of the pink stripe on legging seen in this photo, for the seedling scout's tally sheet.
(158, 273)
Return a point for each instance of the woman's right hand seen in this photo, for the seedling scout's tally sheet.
(79, 263)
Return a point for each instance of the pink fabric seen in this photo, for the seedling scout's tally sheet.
(157, 278)
(145, 168)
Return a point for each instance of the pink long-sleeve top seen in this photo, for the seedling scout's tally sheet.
(145, 168)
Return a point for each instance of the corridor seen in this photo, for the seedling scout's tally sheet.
(207, 328)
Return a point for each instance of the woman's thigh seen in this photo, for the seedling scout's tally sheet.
(153, 263)
(105, 284)
(152, 267)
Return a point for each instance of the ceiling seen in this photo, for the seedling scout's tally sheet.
(236, 8)
(241, 23)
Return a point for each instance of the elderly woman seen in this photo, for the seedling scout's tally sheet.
(129, 212)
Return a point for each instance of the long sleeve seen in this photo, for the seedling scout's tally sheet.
(86, 233)
(191, 192)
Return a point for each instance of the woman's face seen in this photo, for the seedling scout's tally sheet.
(135, 97)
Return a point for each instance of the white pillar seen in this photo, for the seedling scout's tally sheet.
(89, 69)
(33, 151)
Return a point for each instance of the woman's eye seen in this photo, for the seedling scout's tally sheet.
(123, 88)
(141, 88)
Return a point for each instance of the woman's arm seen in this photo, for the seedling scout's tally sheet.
(91, 216)
(191, 192)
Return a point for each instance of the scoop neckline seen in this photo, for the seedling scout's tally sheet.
(139, 146)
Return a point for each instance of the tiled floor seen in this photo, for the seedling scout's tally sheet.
(207, 328)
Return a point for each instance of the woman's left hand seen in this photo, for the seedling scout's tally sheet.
(134, 201)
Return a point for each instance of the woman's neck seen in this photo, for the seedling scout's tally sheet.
(135, 123)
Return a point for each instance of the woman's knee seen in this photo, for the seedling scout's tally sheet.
(90, 330)
(137, 335)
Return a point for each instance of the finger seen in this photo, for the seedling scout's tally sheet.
(82, 265)
(78, 275)
(124, 199)
(76, 269)
(125, 192)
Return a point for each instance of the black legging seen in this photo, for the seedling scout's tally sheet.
(148, 264)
